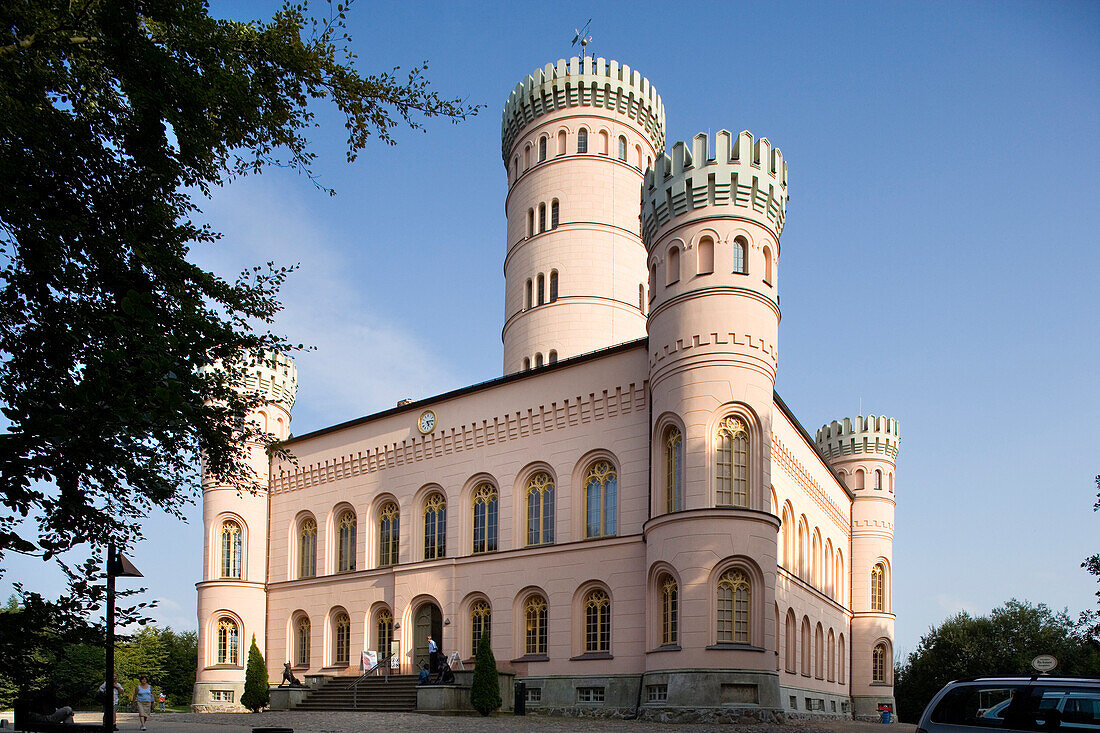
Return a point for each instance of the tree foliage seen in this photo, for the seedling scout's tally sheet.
(256, 693)
(1003, 643)
(114, 116)
(1092, 565)
(485, 689)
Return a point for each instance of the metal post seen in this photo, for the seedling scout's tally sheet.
(109, 686)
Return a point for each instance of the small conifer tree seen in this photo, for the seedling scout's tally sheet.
(256, 694)
(485, 691)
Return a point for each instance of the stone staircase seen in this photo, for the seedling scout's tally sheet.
(396, 693)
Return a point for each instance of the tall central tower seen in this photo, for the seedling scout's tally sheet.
(577, 137)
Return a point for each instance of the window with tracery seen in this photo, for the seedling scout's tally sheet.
(342, 652)
(597, 622)
(622, 148)
(346, 551)
(542, 149)
(601, 484)
(307, 549)
(302, 633)
(674, 470)
(385, 635)
(435, 527)
(734, 598)
(540, 509)
(481, 616)
(740, 256)
(231, 549)
(670, 611)
(485, 517)
(228, 641)
(553, 285)
(389, 534)
(878, 587)
(582, 140)
(878, 663)
(554, 214)
(733, 463)
(534, 612)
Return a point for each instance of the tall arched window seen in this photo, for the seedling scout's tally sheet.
(878, 663)
(541, 288)
(228, 641)
(733, 463)
(553, 285)
(740, 256)
(341, 653)
(515, 168)
(706, 256)
(389, 534)
(831, 670)
(527, 291)
(481, 617)
(878, 479)
(345, 552)
(307, 548)
(792, 643)
(530, 222)
(582, 140)
(526, 157)
(674, 470)
(435, 527)
(819, 653)
(878, 587)
(385, 634)
(542, 218)
(622, 148)
(604, 142)
(552, 357)
(534, 612)
(841, 667)
(538, 360)
(485, 517)
(805, 647)
(734, 602)
(231, 549)
(561, 142)
(815, 567)
(542, 148)
(554, 209)
(597, 622)
(670, 610)
(600, 485)
(673, 259)
(526, 363)
(540, 509)
(768, 265)
(841, 578)
(638, 151)
(641, 297)
(302, 642)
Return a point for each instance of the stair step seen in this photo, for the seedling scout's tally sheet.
(396, 693)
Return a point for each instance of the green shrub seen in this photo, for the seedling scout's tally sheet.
(256, 694)
(485, 691)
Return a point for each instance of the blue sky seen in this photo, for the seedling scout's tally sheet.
(938, 258)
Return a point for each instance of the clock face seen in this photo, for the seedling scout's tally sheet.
(426, 422)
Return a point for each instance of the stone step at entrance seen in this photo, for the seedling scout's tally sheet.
(396, 693)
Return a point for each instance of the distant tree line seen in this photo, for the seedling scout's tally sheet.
(1002, 643)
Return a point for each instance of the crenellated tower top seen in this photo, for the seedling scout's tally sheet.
(747, 174)
(588, 82)
(273, 376)
(869, 434)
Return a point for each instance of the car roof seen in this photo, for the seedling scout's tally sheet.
(1033, 678)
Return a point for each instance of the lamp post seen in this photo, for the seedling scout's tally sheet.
(117, 567)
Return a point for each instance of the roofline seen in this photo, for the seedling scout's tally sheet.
(812, 443)
(479, 387)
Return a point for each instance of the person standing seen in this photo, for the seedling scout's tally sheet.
(433, 654)
(162, 699)
(143, 700)
(117, 688)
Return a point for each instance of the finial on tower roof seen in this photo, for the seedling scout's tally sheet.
(582, 36)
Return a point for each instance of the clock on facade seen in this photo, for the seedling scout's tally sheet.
(426, 423)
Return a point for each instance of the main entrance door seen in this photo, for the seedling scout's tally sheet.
(427, 620)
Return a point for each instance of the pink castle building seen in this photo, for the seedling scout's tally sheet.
(631, 513)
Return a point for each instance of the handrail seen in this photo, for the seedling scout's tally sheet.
(355, 685)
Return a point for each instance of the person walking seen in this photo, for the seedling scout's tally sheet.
(117, 688)
(143, 700)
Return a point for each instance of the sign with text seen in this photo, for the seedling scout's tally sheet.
(1044, 662)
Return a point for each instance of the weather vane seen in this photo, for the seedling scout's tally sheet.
(583, 37)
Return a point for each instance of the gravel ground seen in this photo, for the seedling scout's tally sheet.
(344, 722)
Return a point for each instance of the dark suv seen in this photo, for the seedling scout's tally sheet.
(1039, 703)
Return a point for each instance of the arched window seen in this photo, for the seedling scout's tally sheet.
(534, 612)
(767, 265)
(527, 290)
(861, 482)
(542, 218)
(554, 208)
(541, 287)
(878, 663)
(652, 279)
(878, 587)
(815, 566)
(553, 285)
(231, 549)
(706, 256)
(527, 157)
(674, 470)
(553, 357)
(604, 141)
(389, 534)
(538, 360)
(307, 548)
(622, 148)
(515, 168)
(819, 653)
(481, 617)
(228, 641)
(345, 551)
(878, 479)
(385, 634)
(734, 602)
(829, 564)
(841, 667)
(733, 463)
(740, 256)
(485, 513)
(542, 148)
(561, 142)
(540, 509)
(600, 485)
(841, 578)
(341, 653)
(805, 647)
(638, 150)
(803, 550)
(526, 363)
(670, 610)
(597, 622)
(673, 274)
(641, 297)
(435, 527)
(831, 672)
(530, 222)
(582, 140)
(301, 656)
(792, 644)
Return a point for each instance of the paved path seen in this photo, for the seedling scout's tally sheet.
(343, 722)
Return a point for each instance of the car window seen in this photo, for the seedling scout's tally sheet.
(1069, 708)
(982, 706)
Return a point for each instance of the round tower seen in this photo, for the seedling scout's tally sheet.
(577, 137)
(232, 600)
(863, 451)
(711, 224)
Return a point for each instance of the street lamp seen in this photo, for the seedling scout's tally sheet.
(117, 567)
